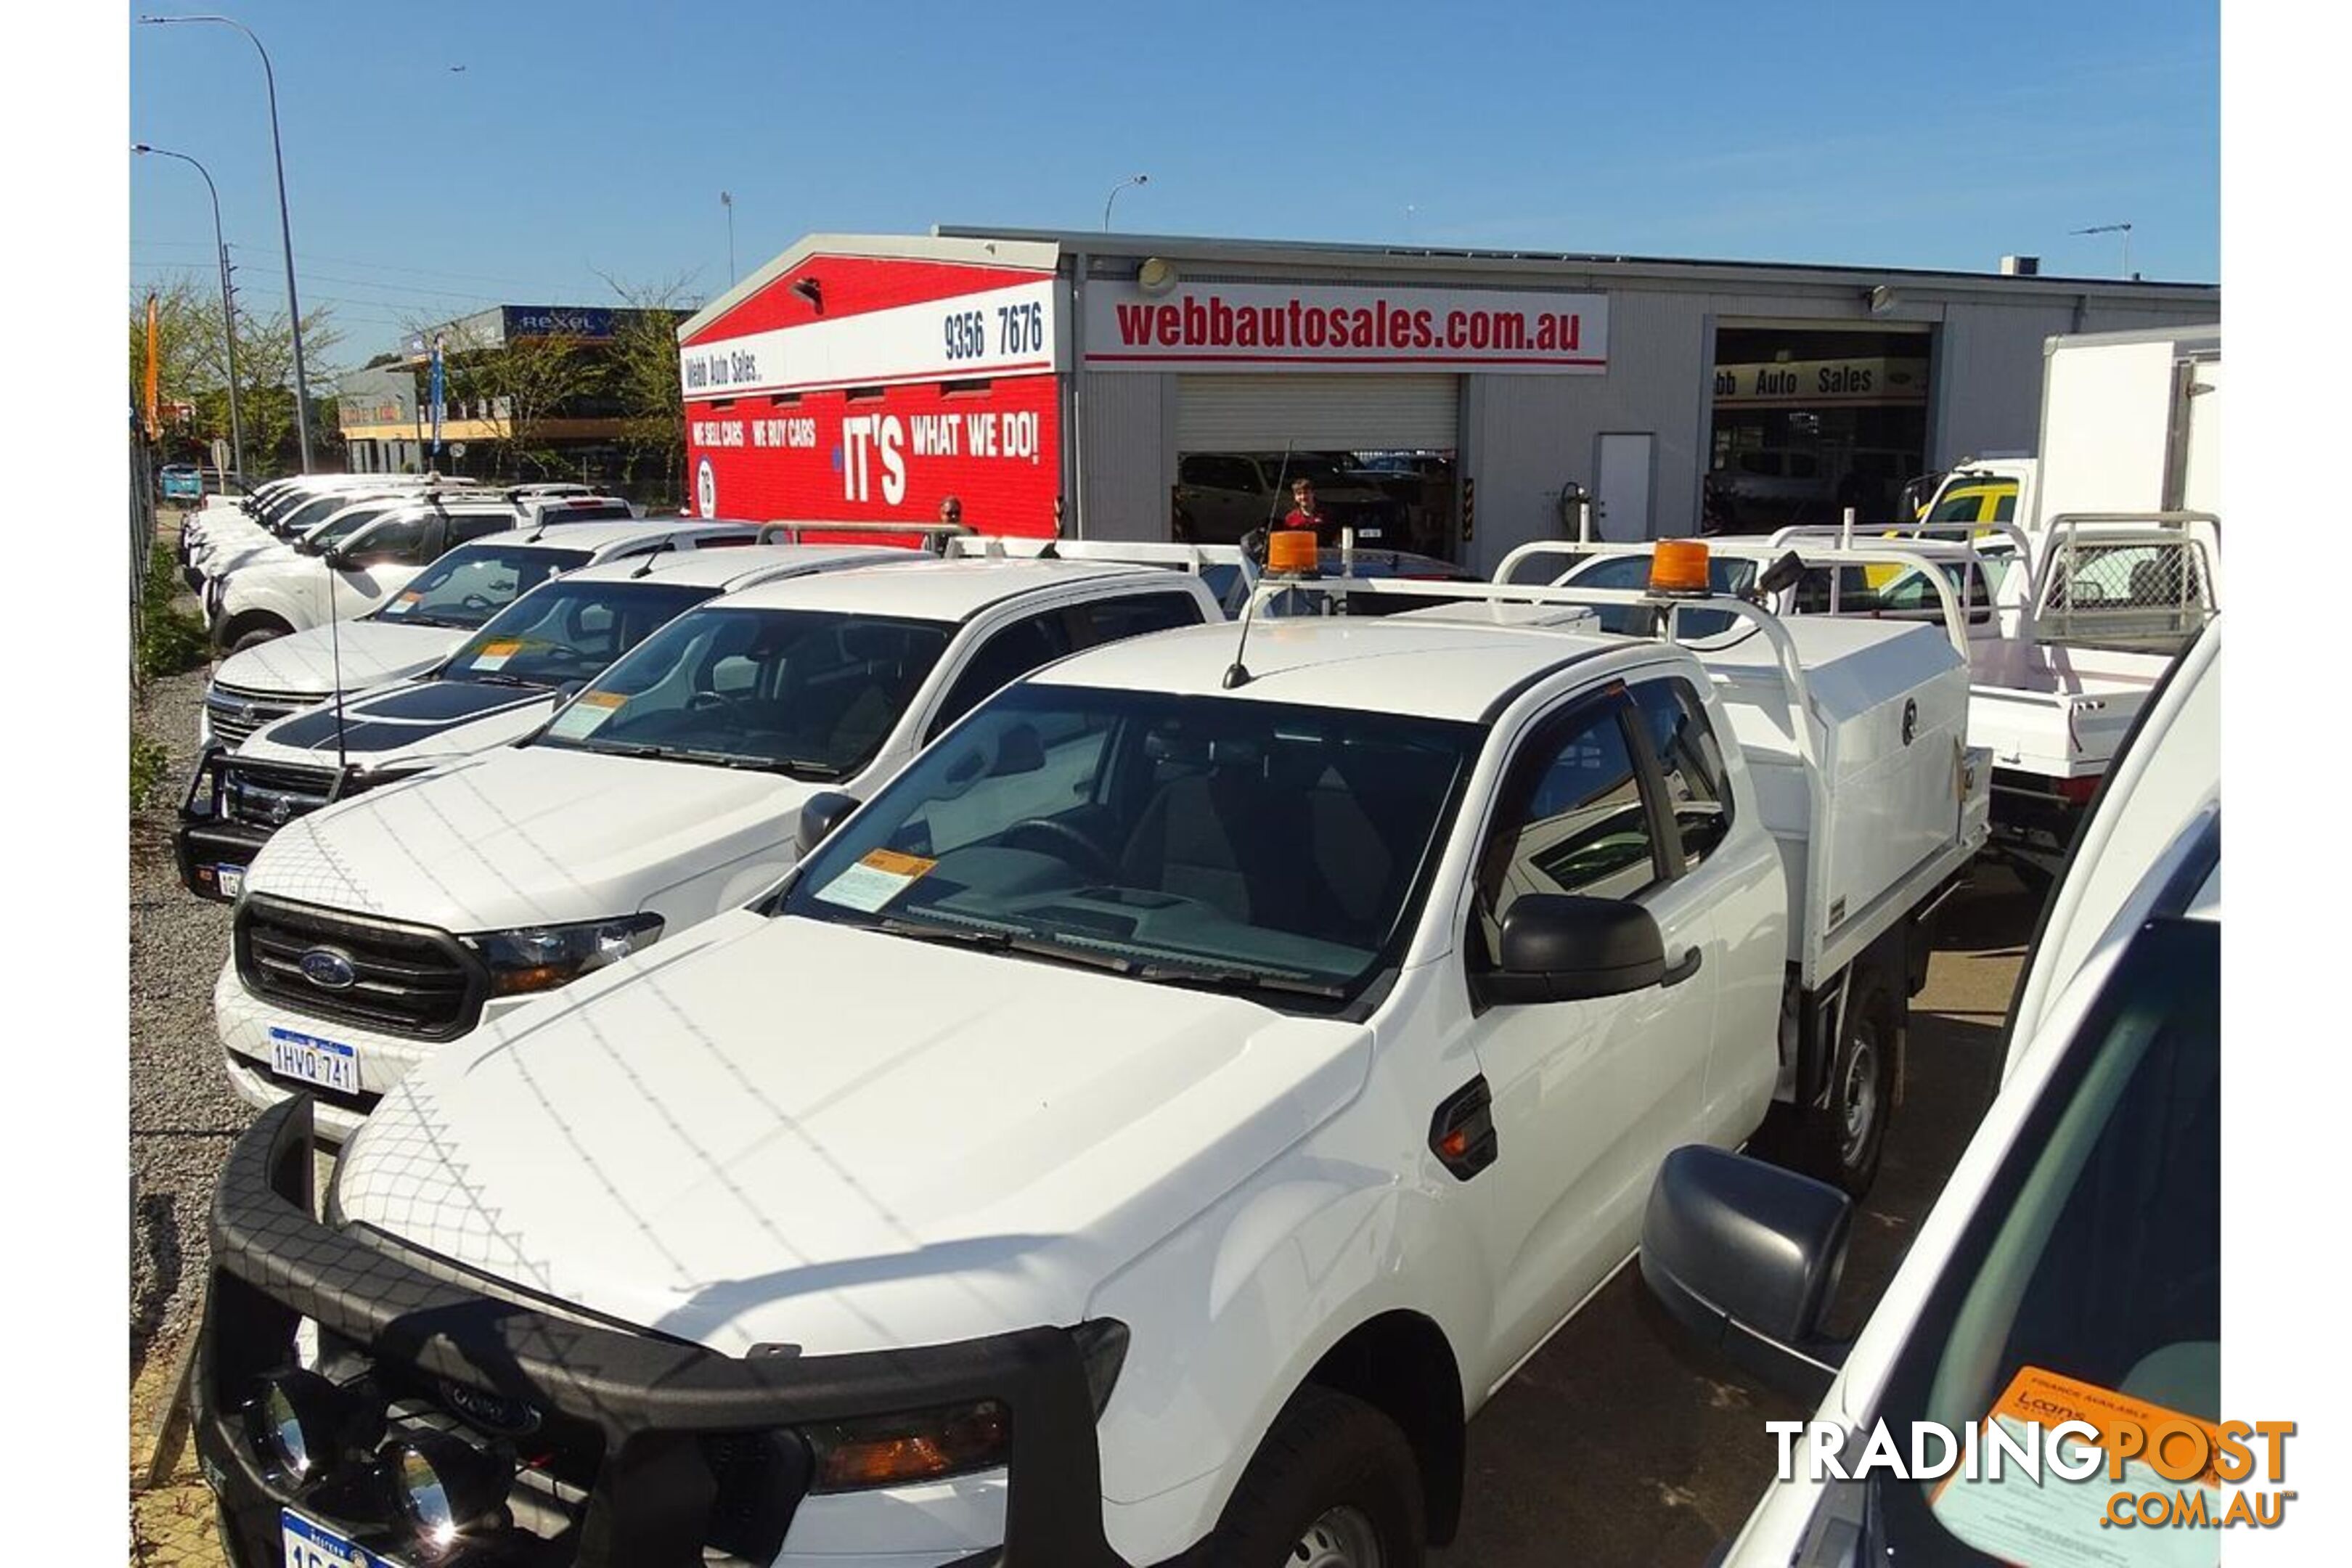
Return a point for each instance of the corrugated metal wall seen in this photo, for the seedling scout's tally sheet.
(1988, 386)
(1525, 436)
(1128, 464)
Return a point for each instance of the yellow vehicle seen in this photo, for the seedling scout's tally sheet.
(1973, 497)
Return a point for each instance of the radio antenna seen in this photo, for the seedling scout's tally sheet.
(1238, 673)
(335, 661)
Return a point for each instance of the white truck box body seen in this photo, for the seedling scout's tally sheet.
(2124, 427)
(1890, 808)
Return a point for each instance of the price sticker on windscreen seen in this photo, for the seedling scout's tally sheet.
(2047, 1521)
(494, 655)
(881, 876)
(402, 604)
(587, 715)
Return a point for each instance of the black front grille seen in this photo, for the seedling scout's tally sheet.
(271, 795)
(406, 980)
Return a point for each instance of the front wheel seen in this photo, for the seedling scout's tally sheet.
(1333, 1486)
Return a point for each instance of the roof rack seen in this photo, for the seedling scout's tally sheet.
(932, 536)
(1193, 558)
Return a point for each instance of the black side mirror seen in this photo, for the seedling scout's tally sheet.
(335, 559)
(1747, 1257)
(1782, 574)
(1018, 751)
(1563, 947)
(821, 813)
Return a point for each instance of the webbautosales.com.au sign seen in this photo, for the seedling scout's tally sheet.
(1237, 326)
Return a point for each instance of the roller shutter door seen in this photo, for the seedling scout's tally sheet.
(1318, 413)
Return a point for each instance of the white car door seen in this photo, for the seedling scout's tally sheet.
(1587, 1095)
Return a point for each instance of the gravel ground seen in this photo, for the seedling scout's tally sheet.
(181, 1112)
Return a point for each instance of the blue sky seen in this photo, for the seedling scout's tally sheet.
(595, 136)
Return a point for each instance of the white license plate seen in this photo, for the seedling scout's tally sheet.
(232, 880)
(329, 1064)
(309, 1544)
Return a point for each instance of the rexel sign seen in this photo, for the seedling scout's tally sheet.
(863, 389)
(1313, 327)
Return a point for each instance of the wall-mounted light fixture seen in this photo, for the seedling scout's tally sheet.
(811, 290)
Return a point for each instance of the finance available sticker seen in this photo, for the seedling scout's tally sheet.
(879, 877)
(586, 715)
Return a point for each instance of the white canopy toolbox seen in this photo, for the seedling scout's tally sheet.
(1903, 799)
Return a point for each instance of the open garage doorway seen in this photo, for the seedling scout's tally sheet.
(1379, 449)
(1809, 420)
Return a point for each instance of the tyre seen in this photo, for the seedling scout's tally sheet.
(239, 636)
(1843, 1142)
(1334, 1485)
(1848, 1135)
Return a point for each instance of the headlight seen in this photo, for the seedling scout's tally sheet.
(899, 1451)
(541, 958)
(297, 1424)
(444, 1486)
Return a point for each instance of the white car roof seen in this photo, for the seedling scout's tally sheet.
(1390, 664)
(937, 590)
(610, 534)
(722, 568)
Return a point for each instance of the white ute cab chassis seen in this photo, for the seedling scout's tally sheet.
(1145, 1132)
(373, 931)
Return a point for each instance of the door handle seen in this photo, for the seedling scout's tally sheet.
(1684, 970)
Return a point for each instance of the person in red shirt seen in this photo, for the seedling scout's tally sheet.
(1304, 513)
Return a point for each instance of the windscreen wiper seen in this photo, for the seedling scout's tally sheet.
(1214, 977)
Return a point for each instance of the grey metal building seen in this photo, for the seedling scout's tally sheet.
(1797, 389)
(1173, 387)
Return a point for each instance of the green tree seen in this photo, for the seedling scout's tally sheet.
(192, 364)
(644, 358)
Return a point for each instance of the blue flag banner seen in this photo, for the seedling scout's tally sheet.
(437, 395)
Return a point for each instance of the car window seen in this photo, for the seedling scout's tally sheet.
(1133, 615)
(1272, 849)
(2094, 1254)
(473, 582)
(1698, 796)
(1010, 653)
(1573, 820)
(568, 631)
(467, 526)
(808, 694)
(392, 542)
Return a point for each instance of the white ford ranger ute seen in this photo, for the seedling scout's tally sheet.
(2072, 1261)
(499, 686)
(377, 929)
(1145, 1132)
(439, 609)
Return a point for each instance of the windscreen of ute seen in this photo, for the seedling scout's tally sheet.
(809, 693)
(475, 582)
(1192, 841)
(568, 631)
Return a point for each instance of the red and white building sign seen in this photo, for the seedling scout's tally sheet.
(1335, 327)
(869, 389)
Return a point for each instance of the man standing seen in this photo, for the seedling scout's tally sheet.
(1304, 513)
(951, 510)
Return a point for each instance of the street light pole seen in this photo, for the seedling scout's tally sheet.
(228, 310)
(1130, 179)
(285, 228)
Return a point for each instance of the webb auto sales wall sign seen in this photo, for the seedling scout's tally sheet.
(1315, 327)
(1009, 331)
